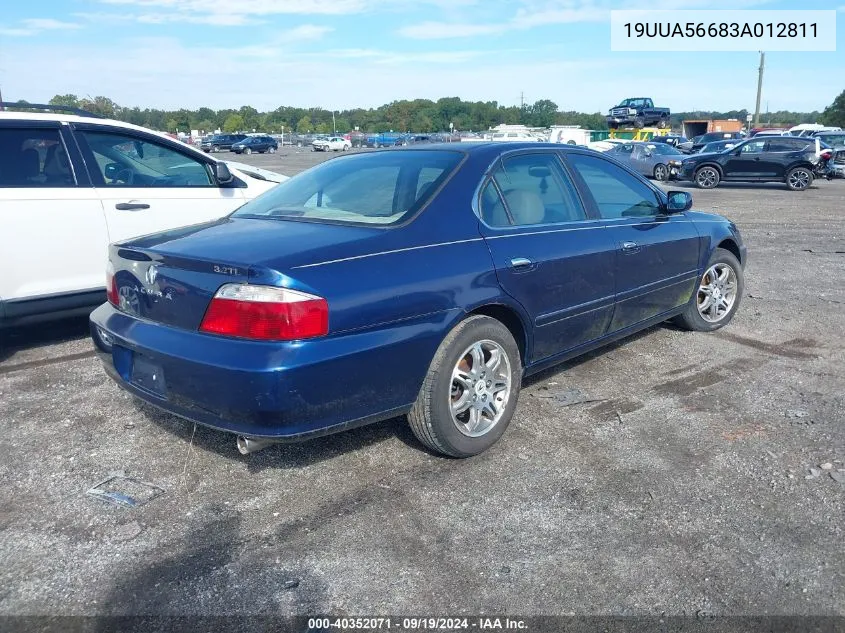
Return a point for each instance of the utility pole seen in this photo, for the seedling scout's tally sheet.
(1, 100)
(759, 88)
(334, 125)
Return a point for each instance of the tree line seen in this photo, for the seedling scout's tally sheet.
(418, 115)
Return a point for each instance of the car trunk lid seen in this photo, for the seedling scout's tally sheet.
(171, 277)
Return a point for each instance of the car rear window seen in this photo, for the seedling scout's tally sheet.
(375, 188)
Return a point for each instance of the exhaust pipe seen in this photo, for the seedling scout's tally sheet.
(247, 445)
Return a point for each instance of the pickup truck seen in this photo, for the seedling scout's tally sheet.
(638, 112)
(384, 139)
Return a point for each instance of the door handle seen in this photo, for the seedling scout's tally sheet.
(521, 263)
(131, 206)
(630, 247)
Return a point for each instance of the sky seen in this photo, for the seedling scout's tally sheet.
(338, 54)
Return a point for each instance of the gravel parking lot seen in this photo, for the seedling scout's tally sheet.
(703, 474)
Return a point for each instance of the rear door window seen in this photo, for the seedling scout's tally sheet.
(535, 190)
(34, 157)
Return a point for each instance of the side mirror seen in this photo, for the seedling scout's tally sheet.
(678, 201)
(222, 174)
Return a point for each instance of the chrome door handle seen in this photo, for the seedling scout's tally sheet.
(630, 247)
(521, 262)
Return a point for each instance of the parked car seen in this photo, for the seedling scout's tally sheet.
(606, 144)
(638, 112)
(331, 144)
(70, 184)
(221, 142)
(700, 141)
(787, 159)
(513, 137)
(655, 160)
(680, 142)
(384, 139)
(719, 146)
(836, 141)
(422, 282)
(260, 144)
(415, 139)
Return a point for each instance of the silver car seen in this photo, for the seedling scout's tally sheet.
(655, 160)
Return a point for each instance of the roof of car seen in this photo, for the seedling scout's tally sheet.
(73, 118)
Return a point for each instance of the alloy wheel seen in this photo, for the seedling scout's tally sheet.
(717, 292)
(707, 178)
(799, 179)
(481, 388)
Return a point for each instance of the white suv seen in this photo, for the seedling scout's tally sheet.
(72, 184)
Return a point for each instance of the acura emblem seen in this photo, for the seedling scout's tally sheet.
(152, 273)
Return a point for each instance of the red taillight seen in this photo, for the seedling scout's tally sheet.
(266, 313)
(111, 285)
(826, 154)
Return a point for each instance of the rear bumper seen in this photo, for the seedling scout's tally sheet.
(285, 391)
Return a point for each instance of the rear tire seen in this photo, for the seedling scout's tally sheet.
(663, 123)
(707, 177)
(701, 315)
(459, 411)
(799, 179)
(271, 150)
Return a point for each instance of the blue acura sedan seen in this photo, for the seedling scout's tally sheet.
(424, 282)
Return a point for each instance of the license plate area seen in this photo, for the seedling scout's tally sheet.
(148, 375)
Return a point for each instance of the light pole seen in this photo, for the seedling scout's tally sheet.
(334, 125)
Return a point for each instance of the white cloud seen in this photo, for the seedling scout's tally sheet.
(33, 26)
(305, 32)
(49, 24)
(245, 12)
(17, 32)
(534, 13)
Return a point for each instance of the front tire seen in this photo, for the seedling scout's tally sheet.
(707, 177)
(799, 179)
(661, 172)
(469, 394)
(718, 295)
(247, 151)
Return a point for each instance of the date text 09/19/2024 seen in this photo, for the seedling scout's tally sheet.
(417, 624)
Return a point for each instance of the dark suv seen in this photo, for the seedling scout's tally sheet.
(220, 142)
(700, 141)
(258, 144)
(787, 159)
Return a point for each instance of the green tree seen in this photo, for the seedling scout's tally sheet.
(323, 128)
(100, 105)
(65, 100)
(172, 125)
(834, 114)
(304, 125)
(542, 113)
(205, 126)
(233, 123)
